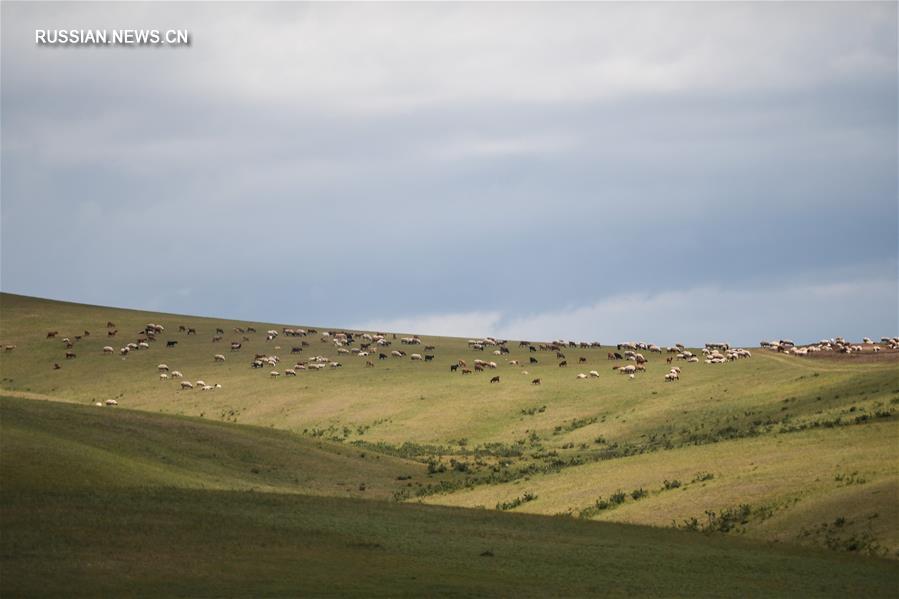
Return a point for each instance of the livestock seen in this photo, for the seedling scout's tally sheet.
(111, 402)
(108, 349)
(454, 367)
(563, 364)
(162, 368)
(52, 334)
(429, 358)
(533, 360)
(191, 331)
(186, 385)
(494, 379)
(594, 374)
(582, 360)
(112, 333)
(416, 357)
(163, 376)
(581, 375)
(535, 382)
(369, 364)
(171, 343)
(69, 354)
(290, 372)
(218, 358)
(466, 371)
(235, 346)
(9, 347)
(274, 373)
(177, 374)
(382, 356)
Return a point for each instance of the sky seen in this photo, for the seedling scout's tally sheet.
(667, 172)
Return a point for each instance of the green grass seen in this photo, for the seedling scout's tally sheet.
(170, 530)
(807, 444)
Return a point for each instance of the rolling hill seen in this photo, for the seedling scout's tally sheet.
(790, 463)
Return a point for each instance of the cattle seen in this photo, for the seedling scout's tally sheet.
(454, 367)
(478, 368)
(494, 379)
(191, 331)
(52, 334)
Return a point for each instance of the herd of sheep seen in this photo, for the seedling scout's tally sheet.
(377, 346)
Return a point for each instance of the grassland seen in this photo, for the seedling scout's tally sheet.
(121, 503)
(783, 454)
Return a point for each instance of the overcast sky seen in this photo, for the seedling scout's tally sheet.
(666, 172)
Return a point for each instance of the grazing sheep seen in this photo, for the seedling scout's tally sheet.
(454, 367)
(69, 354)
(111, 402)
(163, 376)
(108, 349)
(535, 382)
(176, 374)
(274, 373)
(494, 379)
(162, 368)
(218, 358)
(186, 385)
(290, 372)
(594, 374)
(581, 375)
(416, 357)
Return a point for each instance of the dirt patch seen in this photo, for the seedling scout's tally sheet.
(864, 357)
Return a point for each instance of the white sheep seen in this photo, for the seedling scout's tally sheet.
(218, 358)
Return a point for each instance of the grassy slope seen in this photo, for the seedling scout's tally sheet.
(92, 534)
(48, 445)
(400, 400)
